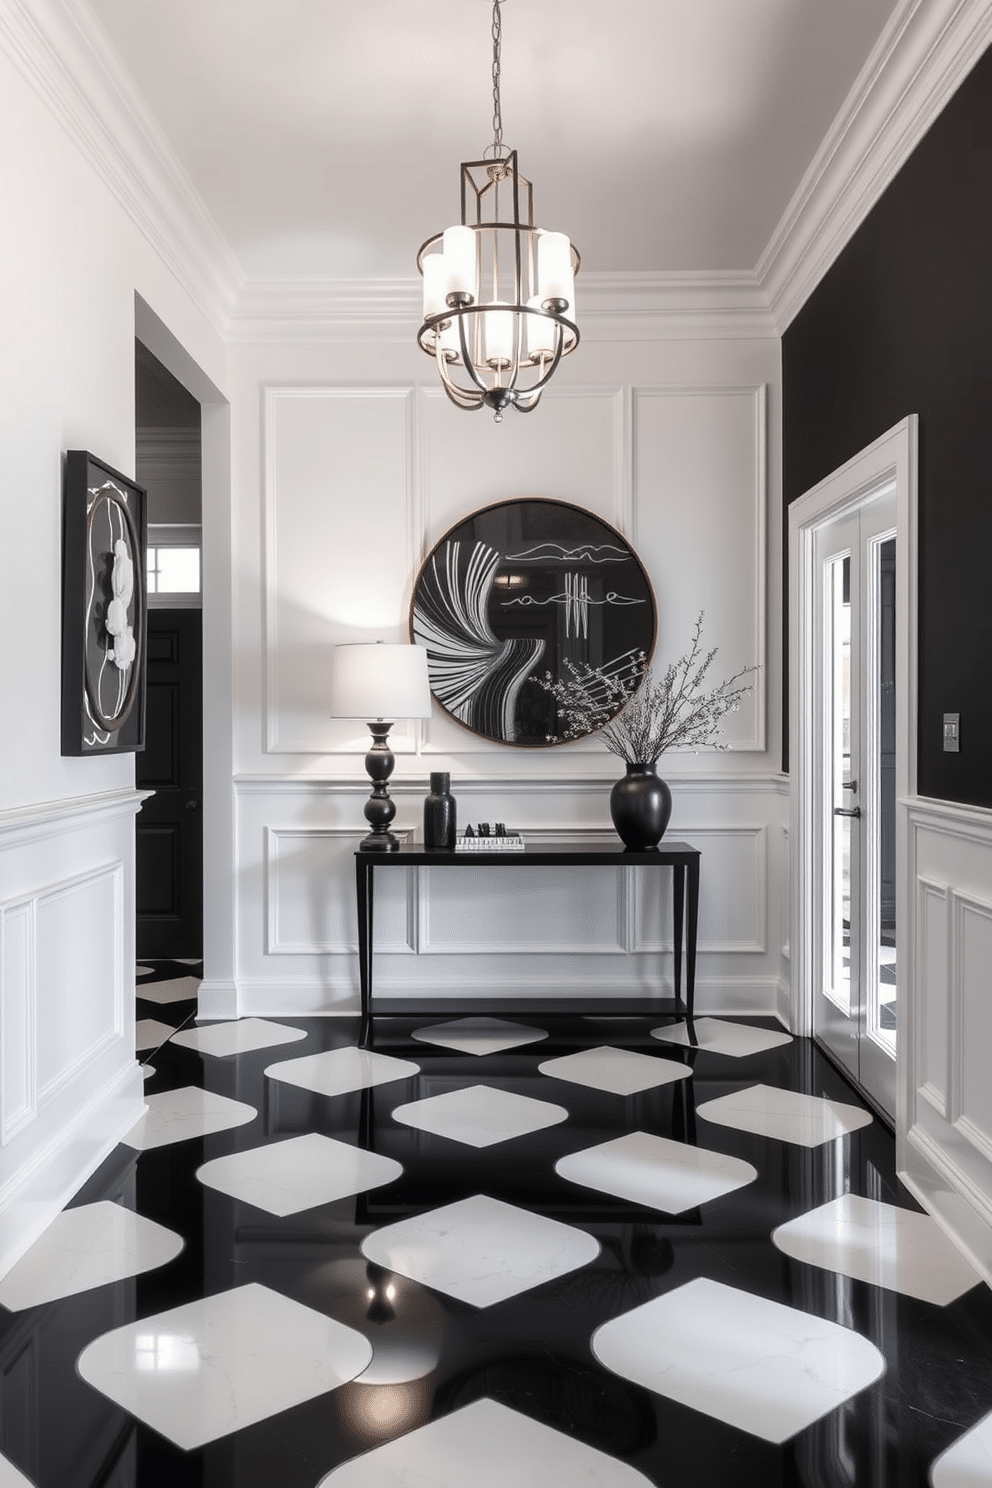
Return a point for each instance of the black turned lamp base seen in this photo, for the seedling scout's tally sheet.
(379, 842)
(379, 808)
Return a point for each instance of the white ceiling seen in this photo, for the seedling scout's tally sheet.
(325, 136)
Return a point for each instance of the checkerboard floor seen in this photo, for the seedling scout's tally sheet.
(361, 1270)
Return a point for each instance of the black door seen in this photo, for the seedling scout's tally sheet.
(169, 826)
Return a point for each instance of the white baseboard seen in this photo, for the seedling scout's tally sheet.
(218, 999)
(43, 1188)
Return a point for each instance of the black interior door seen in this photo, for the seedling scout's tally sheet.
(169, 826)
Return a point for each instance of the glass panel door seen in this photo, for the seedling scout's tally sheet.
(854, 1011)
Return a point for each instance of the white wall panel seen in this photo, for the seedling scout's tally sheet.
(310, 898)
(732, 893)
(971, 1020)
(339, 548)
(548, 911)
(700, 482)
(18, 1020)
(70, 1085)
(932, 1000)
(945, 1147)
(80, 973)
(572, 449)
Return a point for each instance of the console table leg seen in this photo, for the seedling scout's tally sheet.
(678, 900)
(692, 922)
(363, 876)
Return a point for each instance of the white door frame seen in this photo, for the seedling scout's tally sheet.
(892, 457)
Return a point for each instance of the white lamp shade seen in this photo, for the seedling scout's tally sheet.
(435, 284)
(376, 680)
(460, 260)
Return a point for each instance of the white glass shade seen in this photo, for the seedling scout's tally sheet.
(501, 330)
(435, 284)
(460, 261)
(554, 267)
(376, 680)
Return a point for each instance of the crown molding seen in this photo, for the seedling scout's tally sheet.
(617, 306)
(60, 49)
(926, 50)
(922, 56)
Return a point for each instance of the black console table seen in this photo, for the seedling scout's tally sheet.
(679, 856)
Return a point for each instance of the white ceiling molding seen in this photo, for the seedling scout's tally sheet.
(59, 47)
(924, 53)
(921, 58)
(612, 306)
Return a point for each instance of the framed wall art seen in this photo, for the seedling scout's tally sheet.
(103, 609)
(519, 591)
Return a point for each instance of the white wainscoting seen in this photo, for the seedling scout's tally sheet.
(69, 1082)
(946, 1126)
(439, 932)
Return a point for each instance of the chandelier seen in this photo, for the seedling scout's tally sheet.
(499, 292)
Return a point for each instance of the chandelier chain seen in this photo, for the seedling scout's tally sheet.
(497, 33)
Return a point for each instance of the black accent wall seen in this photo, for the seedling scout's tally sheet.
(901, 324)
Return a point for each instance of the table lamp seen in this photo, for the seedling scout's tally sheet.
(378, 683)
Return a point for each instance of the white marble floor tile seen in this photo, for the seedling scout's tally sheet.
(201, 1371)
(144, 971)
(888, 1246)
(655, 1171)
(147, 1070)
(187, 960)
(488, 1445)
(176, 989)
(299, 1173)
(479, 1035)
(967, 1463)
(620, 1071)
(86, 1247)
(176, 1115)
(239, 1036)
(338, 1071)
(480, 1250)
(149, 1033)
(765, 1110)
(10, 1477)
(480, 1115)
(720, 1037)
(758, 1365)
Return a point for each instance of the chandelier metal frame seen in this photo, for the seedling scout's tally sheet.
(499, 297)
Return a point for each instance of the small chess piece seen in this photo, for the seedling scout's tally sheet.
(468, 831)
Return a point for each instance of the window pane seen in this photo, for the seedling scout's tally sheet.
(178, 570)
(837, 715)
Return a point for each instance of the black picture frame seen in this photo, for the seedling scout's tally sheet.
(104, 608)
(520, 589)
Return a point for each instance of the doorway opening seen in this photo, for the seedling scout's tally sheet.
(169, 826)
(852, 608)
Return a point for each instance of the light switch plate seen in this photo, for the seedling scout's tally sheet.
(952, 733)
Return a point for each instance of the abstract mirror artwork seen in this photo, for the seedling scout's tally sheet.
(520, 590)
(103, 609)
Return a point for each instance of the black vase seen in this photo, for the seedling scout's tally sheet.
(641, 805)
(439, 815)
